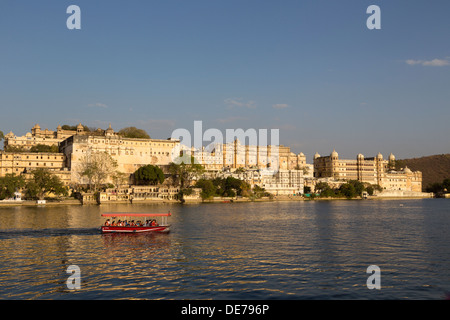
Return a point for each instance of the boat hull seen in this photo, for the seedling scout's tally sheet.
(116, 229)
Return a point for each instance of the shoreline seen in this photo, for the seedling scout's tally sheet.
(31, 203)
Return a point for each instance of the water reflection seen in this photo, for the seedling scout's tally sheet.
(288, 250)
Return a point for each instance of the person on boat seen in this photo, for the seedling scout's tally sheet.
(154, 223)
(119, 223)
(113, 223)
(107, 223)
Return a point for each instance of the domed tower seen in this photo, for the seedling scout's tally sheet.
(391, 162)
(380, 167)
(80, 128)
(109, 131)
(334, 155)
(316, 166)
(58, 132)
(334, 164)
(36, 130)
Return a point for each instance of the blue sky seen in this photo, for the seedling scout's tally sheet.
(309, 68)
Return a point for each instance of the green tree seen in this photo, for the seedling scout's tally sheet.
(322, 186)
(348, 190)
(9, 184)
(74, 128)
(133, 132)
(358, 186)
(44, 148)
(184, 170)
(446, 184)
(149, 174)
(232, 186)
(44, 183)
(259, 192)
(16, 149)
(208, 188)
(434, 187)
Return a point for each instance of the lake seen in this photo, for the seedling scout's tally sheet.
(257, 250)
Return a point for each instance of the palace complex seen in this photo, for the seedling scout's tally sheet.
(288, 172)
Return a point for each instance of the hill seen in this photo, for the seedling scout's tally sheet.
(434, 168)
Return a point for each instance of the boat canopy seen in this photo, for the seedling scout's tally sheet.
(126, 214)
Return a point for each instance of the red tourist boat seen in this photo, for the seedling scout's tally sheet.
(135, 222)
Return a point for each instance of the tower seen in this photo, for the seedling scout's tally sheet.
(360, 166)
(391, 162)
(334, 164)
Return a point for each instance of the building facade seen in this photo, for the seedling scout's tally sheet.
(23, 163)
(129, 153)
(38, 136)
(283, 182)
(235, 155)
(373, 170)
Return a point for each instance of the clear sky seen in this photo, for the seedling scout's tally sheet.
(310, 68)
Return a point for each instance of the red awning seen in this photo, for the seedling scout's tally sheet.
(126, 214)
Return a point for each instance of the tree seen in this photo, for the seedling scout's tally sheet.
(74, 128)
(97, 168)
(322, 186)
(133, 132)
(184, 171)
(259, 192)
(358, 186)
(119, 178)
(15, 149)
(439, 187)
(2, 136)
(446, 184)
(44, 148)
(9, 184)
(348, 190)
(208, 188)
(149, 174)
(43, 183)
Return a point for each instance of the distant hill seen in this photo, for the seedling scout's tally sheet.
(434, 168)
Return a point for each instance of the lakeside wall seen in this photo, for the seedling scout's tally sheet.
(403, 194)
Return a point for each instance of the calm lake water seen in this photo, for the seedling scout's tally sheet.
(269, 250)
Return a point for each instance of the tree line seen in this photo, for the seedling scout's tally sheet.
(41, 184)
(350, 189)
(439, 188)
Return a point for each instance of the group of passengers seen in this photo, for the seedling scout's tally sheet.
(126, 223)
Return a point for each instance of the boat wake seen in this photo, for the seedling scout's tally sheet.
(48, 232)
